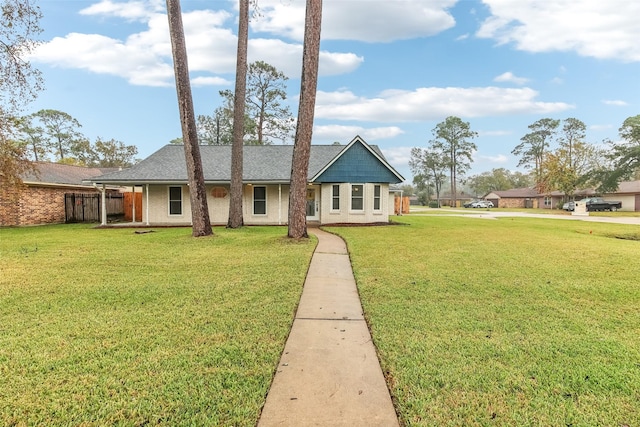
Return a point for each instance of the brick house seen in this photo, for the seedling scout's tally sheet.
(514, 198)
(42, 199)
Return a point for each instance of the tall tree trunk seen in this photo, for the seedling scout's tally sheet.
(197, 190)
(235, 198)
(304, 129)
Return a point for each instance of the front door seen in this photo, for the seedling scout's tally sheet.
(312, 204)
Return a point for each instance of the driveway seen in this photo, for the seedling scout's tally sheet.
(496, 214)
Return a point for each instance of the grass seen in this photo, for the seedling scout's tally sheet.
(510, 322)
(108, 327)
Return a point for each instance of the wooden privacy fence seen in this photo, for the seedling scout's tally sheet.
(128, 206)
(404, 205)
(79, 207)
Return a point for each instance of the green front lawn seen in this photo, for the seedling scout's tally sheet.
(103, 327)
(509, 322)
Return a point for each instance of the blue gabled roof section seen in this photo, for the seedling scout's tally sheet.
(358, 162)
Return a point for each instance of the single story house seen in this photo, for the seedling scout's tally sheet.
(628, 192)
(347, 184)
(42, 198)
(514, 198)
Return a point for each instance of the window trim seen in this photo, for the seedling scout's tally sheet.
(351, 198)
(335, 197)
(253, 203)
(170, 200)
(377, 198)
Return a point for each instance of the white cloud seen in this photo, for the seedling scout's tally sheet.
(144, 58)
(494, 133)
(509, 77)
(398, 157)
(131, 10)
(210, 81)
(615, 102)
(433, 104)
(383, 21)
(498, 159)
(345, 134)
(104, 55)
(598, 128)
(599, 29)
(287, 58)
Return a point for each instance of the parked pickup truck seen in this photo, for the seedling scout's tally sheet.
(600, 204)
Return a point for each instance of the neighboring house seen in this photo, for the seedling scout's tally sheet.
(42, 199)
(446, 200)
(514, 198)
(556, 199)
(628, 193)
(347, 184)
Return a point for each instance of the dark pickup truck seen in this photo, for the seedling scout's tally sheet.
(599, 204)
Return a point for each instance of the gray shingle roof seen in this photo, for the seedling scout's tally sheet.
(261, 163)
(58, 173)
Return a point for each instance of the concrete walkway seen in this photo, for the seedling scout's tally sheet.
(329, 373)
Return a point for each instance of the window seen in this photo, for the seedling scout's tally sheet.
(259, 200)
(175, 200)
(547, 201)
(357, 197)
(335, 197)
(376, 197)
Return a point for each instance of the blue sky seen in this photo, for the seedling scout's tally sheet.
(389, 70)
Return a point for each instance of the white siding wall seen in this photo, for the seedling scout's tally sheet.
(628, 201)
(277, 206)
(159, 206)
(345, 214)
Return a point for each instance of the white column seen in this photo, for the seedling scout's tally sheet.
(146, 211)
(103, 190)
(279, 204)
(133, 206)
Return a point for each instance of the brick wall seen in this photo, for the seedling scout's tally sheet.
(516, 203)
(36, 205)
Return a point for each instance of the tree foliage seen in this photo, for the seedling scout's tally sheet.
(429, 168)
(535, 144)
(266, 93)
(19, 81)
(60, 133)
(266, 120)
(498, 179)
(19, 84)
(14, 163)
(452, 138)
(52, 134)
(623, 157)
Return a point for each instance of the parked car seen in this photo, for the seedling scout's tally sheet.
(569, 206)
(481, 204)
(600, 204)
(469, 204)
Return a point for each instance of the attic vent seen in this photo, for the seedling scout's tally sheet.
(219, 192)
